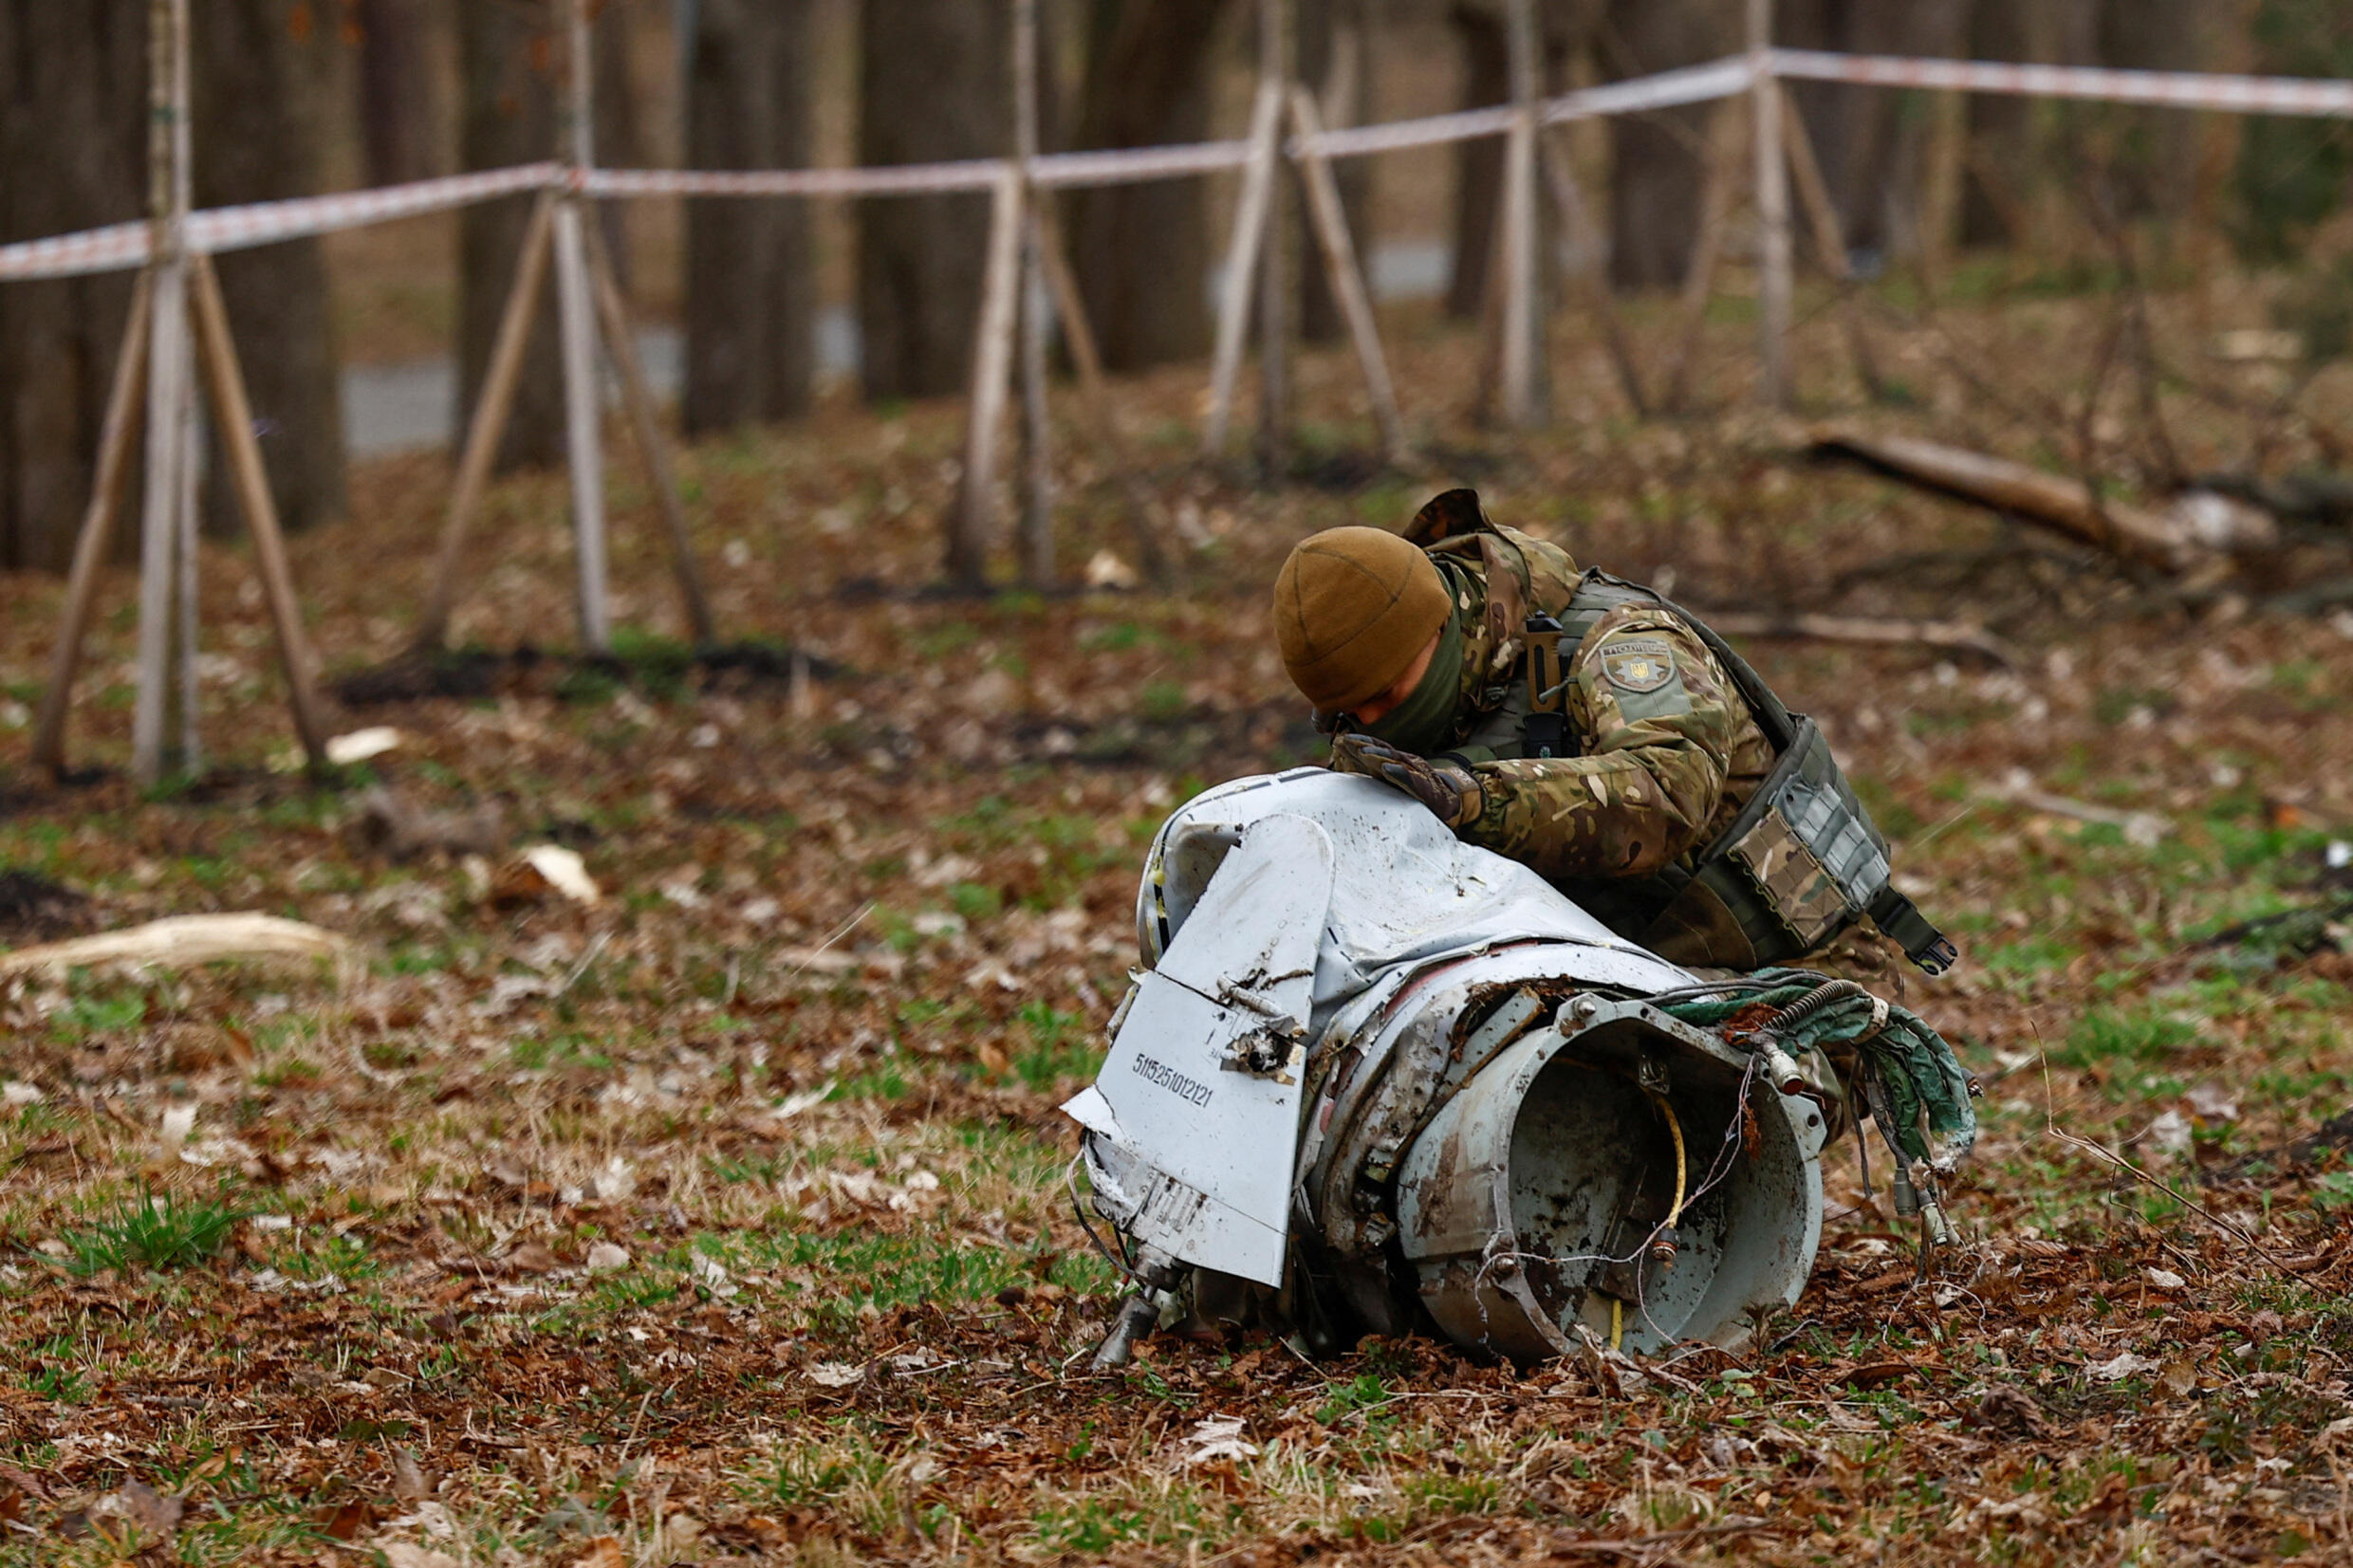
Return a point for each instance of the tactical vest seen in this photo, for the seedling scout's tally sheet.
(1800, 863)
(1803, 860)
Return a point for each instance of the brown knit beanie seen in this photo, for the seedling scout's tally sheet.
(1352, 608)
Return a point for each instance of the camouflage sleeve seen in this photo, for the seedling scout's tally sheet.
(1659, 719)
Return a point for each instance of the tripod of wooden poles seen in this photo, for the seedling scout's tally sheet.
(589, 308)
(155, 394)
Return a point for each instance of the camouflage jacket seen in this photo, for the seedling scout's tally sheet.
(1666, 749)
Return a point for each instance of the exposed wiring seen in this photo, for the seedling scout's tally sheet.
(1682, 1166)
(1125, 1266)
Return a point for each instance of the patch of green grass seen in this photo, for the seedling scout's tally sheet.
(152, 1232)
(824, 1473)
(47, 1375)
(1116, 638)
(862, 1269)
(975, 901)
(1364, 1392)
(1059, 1048)
(106, 1012)
(934, 644)
(881, 1082)
(1162, 701)
(2030, 955)
(1089, 1525)
(343, 1257)
(2105, 1035)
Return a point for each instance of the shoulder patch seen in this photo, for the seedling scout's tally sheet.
(1638, 664)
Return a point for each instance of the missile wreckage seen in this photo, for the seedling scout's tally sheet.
(1373, 1079)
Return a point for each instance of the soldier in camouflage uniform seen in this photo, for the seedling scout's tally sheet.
(1618, 772)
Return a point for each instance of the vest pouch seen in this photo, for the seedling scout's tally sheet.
(1814, 851)
(1799, 863)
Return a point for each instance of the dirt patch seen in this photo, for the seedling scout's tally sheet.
(34, 908)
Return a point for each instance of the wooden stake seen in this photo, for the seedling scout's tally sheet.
(159, 529)
(1829, 240)
(1078, 334)
(115, 442)
(974, 527)
(1590, 269)
(1343, 274)
(488, 425)
(234, 416)
(1278, 281)
(185, 614)
(1037, 514)
(1773, 213)
(583, 417)
(1521, 362)
(1814, 195)
(646, 428)
(1233, 292)
(167, 375)
(584, 405)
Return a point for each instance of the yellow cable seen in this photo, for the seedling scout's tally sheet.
(1675, 1128)
(1682, 1183)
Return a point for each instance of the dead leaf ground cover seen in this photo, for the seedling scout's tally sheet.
(724, 1219)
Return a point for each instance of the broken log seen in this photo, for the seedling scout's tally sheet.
(181, 942)
(2198, 528)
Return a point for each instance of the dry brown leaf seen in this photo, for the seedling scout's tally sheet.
(533, 1258)
(410, 1483)
(399, 1554)
(603, 1552)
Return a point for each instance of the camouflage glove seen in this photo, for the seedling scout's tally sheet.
(1447, 789)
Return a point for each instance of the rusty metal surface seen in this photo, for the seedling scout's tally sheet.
(1529, 1200)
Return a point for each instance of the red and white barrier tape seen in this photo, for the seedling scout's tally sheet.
(1666, 90)
(124, 245)
(2278, 95)
(267, 221)
(109, 250)
(1691, 84)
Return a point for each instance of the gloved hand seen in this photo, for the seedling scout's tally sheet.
(1449, 790)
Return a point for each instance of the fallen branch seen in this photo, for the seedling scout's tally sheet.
(2142, 828)
(1960, 637)
(2193, 532)
(181, 942)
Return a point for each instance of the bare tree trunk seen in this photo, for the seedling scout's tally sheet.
(621, 121)
(73, 128)
(933, 84)
(1478, 165)
(398, 98)
(1656, 173)
(257, 126)
(1871, 142)
(750, 295)
(508, 57)
(1142, 253)
(2157, 152)
(1336, 64)
(1998, 127)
